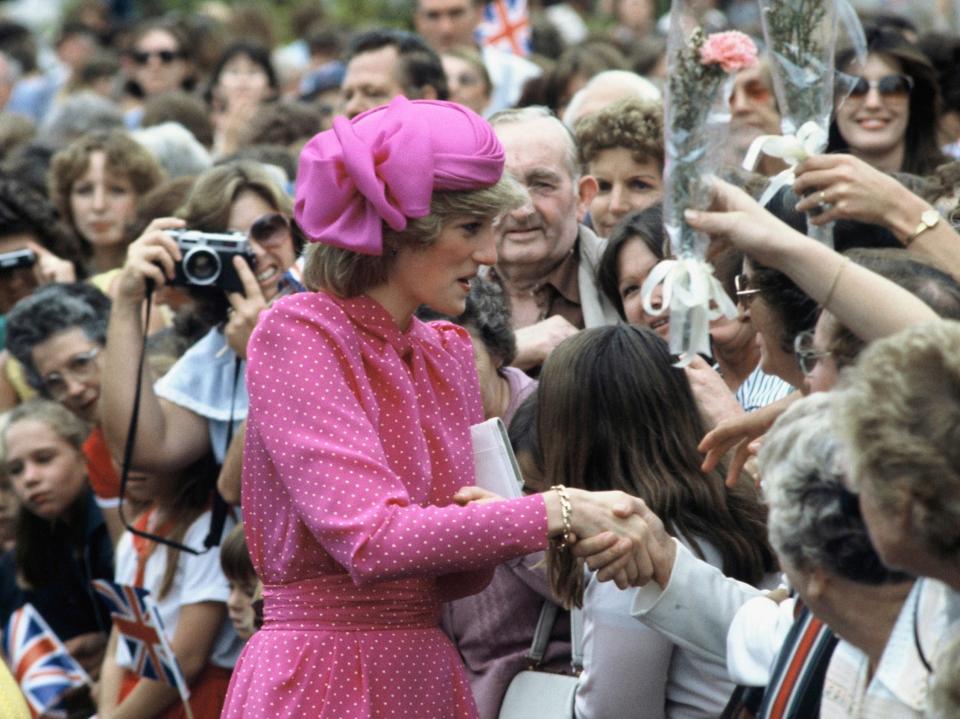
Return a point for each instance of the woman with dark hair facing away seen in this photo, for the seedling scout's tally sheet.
(356, 505)
(62, 542)
(615, 414)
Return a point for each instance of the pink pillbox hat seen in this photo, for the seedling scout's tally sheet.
(384, 165)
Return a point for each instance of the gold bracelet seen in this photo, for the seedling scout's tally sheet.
(833, 283)
(566, 512)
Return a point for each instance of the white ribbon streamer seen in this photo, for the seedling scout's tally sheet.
(694, 297)
(811, 139)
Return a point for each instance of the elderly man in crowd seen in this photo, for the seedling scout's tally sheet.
(446, 24)
(546, 260)
(382, 64)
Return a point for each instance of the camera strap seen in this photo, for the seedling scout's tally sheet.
(220, 508)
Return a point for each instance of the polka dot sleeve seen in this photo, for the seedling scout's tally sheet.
(367, 441)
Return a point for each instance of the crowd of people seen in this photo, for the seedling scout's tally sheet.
(257, 284)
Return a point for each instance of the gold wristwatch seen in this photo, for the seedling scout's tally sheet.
(928, 220)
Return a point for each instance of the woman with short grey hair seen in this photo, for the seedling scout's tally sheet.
(61, 319)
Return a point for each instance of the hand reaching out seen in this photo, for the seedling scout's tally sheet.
(737, 434)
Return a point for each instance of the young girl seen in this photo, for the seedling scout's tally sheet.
(190, 591)
(613, 413)
(62, 542)
(243, 581)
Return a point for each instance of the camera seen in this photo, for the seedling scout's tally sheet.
(17, 259)
(208, 259)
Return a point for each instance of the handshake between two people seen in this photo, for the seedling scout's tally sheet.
(617, 535)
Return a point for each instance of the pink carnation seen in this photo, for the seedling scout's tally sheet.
(733, 51)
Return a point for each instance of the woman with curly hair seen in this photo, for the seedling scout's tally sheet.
(622, 147)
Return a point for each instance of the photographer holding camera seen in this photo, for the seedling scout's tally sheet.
(232, 278)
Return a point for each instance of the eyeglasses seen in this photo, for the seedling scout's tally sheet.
(81, 367)
(756, 91)
(270, 230)
(806, 354)
(887, 86)
(142, 57)
(744, 293)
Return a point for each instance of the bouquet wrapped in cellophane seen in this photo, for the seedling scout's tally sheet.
(695, 121)
(801, 37)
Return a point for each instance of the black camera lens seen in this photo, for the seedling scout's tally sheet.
(201, 266)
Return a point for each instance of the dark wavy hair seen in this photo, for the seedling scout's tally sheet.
(614, 413)
(253, 51)
(25, 211)
(644, 225)
(922, 153)
(487, 317)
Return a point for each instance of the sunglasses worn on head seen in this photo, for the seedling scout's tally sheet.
(142, 57)
(888, 86)
(270, 230)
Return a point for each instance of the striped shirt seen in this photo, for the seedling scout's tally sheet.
(760, 389)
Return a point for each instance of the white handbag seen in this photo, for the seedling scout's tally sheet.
(535, 694)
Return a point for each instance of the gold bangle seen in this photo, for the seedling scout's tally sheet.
(833, 283)
(566, 512)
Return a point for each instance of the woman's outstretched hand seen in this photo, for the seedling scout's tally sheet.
(737, 434)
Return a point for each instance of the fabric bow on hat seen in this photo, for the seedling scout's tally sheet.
(384, 165)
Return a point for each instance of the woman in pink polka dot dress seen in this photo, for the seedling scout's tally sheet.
(357, 441)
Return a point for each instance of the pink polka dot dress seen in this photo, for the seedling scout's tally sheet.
(357, 437)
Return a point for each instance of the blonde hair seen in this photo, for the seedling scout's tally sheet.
(900, 414)
(347, 273)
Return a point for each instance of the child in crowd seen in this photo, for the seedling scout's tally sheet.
(243, 582)
(190, 591)
(61, 540)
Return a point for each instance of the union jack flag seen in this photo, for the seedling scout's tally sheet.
(140, 629)
(506, 25)
(40, 663)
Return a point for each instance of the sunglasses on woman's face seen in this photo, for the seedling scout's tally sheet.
(142, 57)
(270, 230)
(887, 86)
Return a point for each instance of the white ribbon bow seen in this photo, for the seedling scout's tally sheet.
(689, 290)
(811, 139)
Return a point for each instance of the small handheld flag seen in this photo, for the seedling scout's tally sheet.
(506, 25)
(140, 629)
(40, 662)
